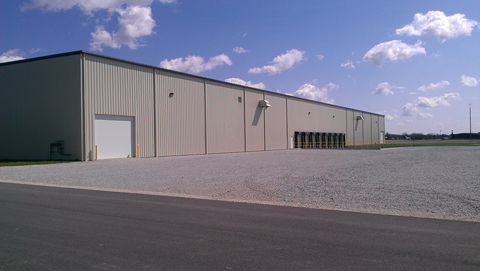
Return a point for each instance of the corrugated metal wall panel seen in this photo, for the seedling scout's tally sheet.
(276, 122)
(181, 118)
(367, 129)
(350, 136)
(375, 131)
(115, 87)
(313, 117)
(40, 103)
(359, 126)
(255, 121)
(225, 118)
(382, 124)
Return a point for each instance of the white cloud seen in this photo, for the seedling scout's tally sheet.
(134, 22)
(195, 64)
(239, 50)
(87, 6)
(393, 50)
(320, 57)
(433, 86)
(469, 81)
(422, 116)
(134, 19)
(412, 93)
(385, 89)
(389, 117)
(11, 55)
(409, 109)
(35, 50)
(436, 24)
(239, 81)
(348, 64)
(415, 106)
(436, 101)
(281, 62)
(311, 92)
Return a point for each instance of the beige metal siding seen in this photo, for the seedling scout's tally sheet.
(359, 125)
(181, 118)
(114, 87)
(367, 129)
(40, 103)
(381, 127)
(276, 123)
(375, 131)
(381, 119)
(350, 136)
(309, 116)
(254, 121)
(225, 118)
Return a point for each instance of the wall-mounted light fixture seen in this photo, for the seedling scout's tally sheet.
(360, 118)
(170, 95)
(264, 103)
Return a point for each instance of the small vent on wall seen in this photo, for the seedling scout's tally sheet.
(239, 99)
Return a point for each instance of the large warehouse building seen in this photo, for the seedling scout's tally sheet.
(84, 106)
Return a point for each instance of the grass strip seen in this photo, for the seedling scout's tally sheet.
(10, 163)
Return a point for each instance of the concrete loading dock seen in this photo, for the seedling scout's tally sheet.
(77, 98)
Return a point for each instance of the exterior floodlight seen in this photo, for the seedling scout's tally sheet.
(360, 118)
(264, 103)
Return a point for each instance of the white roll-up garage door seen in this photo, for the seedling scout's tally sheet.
(114, 136)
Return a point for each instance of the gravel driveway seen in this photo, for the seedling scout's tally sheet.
(438, 182)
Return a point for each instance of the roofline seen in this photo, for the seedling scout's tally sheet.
(40, 58)
(79, 52)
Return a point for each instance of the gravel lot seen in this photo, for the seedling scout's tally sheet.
(437, 182)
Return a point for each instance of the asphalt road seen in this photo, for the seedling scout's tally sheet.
(49, 228)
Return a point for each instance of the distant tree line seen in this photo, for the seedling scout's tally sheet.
(420, 136)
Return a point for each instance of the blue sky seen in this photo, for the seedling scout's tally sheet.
(416, 62)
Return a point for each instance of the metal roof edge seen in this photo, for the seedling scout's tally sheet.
(40, 58)
(176, 72)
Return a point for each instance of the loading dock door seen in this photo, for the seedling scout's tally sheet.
(114, 136)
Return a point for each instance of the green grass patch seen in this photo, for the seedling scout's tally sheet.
(435, 143)
(10, 163)
(446, 144)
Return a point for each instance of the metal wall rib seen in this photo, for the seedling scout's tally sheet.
(255, 121)
(350, 135)
(276, 123)
(180, 114)
(113, 87)
(40, 103)
(358, 128)
(312, 117)
(225, 118)
(367, 129)
(375, 130)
